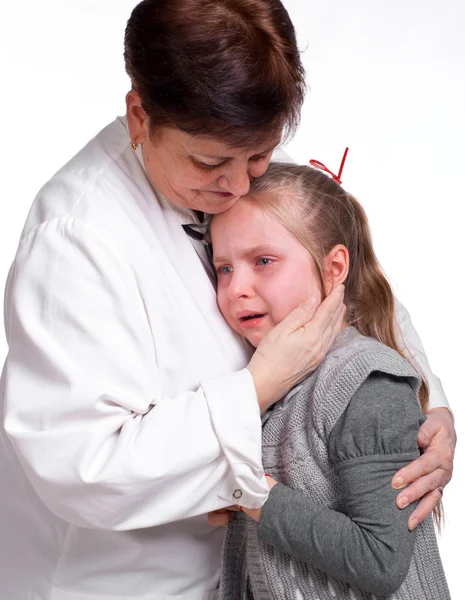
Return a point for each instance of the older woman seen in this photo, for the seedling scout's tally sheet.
(131, 410)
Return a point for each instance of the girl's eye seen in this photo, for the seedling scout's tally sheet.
(224, 270)
(262, 261)
(259, 157)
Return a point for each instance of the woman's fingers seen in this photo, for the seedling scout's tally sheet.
(333, 328)
(300, 316)
(426, 506)
(295, 347)
(321, 331)
(427, 488)
(422, 486)
(431, 472)
(416, 471)
(325, 313)
(437, 458)
(315, 320)
(439, 424)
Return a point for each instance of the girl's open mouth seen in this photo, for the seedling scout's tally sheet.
(255, 316)
(252, 320)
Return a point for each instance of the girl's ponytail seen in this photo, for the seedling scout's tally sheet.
(370, 301)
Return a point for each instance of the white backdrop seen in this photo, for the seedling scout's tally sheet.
(386, 78)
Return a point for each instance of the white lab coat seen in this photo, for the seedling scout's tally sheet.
(128, 411)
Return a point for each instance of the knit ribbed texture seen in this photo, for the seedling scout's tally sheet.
(295, 452)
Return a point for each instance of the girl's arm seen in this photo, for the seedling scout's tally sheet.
(368, 544)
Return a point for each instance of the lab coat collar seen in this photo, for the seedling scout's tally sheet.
(171, 240)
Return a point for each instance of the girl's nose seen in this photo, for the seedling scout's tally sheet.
(240, 286)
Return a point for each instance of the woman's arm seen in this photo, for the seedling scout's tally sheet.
(86, 407)
(412, 346)
(433, 470)
(368, 544)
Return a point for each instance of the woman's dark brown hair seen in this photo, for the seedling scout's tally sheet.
(229, 69)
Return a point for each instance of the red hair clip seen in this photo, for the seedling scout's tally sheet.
(319, 165)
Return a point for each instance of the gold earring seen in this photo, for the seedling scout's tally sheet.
(134, 145)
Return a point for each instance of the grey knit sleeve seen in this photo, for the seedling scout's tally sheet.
(367, 544)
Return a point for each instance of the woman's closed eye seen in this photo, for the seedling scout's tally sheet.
(204, 165)
(258, 157)
(207, 166)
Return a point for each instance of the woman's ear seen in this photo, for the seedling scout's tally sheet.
(138, 121)
(336, 267)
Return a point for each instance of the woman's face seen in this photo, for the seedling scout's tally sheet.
(196, 172)
(263, 271)
(200, 173)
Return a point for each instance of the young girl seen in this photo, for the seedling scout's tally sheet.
(330, 528)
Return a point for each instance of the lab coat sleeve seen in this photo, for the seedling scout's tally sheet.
(410, 340)
(84, 404)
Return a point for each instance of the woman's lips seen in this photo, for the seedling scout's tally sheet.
(222, 194)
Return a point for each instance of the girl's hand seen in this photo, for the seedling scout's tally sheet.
(255, 513)
(295, 347)
(432, 471)
(222, 516)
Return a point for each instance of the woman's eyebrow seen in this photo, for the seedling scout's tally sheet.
(214, 156)
(223, 157)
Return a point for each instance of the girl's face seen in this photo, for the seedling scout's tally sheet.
(263, 271)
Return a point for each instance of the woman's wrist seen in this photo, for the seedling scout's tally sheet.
(265, 388)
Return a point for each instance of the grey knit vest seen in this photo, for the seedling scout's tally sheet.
(295, 452)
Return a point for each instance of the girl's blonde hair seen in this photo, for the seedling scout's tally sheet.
(321, 214)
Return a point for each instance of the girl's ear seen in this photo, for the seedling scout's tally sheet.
(336, 267)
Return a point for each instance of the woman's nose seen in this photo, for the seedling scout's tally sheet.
(236, 180)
